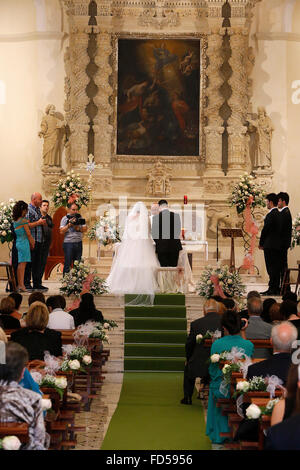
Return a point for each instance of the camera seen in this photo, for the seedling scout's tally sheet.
(78, 219)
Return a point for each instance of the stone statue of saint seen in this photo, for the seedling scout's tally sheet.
(264, 128)
(52, 130)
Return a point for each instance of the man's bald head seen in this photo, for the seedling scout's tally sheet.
(283, 335)
(36, 199)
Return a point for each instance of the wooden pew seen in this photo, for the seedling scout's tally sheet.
(20, 430)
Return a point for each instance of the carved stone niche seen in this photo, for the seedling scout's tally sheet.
(159, 180)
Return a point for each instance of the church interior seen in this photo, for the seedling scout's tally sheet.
(147, 101)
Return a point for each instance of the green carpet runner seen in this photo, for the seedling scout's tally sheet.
(155, 335)
(149, 416)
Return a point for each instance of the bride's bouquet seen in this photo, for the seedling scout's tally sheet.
(105, 231)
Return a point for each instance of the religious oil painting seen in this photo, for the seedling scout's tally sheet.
(158, 97)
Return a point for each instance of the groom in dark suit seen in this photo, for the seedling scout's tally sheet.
(166, 230)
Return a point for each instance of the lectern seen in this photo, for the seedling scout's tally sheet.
(232, 233)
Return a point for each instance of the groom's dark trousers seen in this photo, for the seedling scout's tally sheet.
(166, 230)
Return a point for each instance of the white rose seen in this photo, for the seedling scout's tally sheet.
(4, 233)
(61, 382)
(220, 276)
(242, 386)
(11, 443)
(87, 360)
(63, 186)
(57, 194)
(245, 186)
(106, 325)
(199, 338)
(209, 283)
(71, 184)
(221, 283)
(46, 404)
(225, 368)
(5, 221)
(74, 365)
(253, 411)
(79, 185)
(76, 263)
(229, 281)
(68, 178)
(11, 200)
(68, 190)
(215, 358)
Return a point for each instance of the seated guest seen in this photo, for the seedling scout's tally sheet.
(36, 337)
(86, 311)
(7, 307)
(285, 421)
(252, 293)
(18, 404)
(257, 328)
(58, 318)
(289, 405)
(62, 301)
(267, 304)
(275, 314)
(231, 326)
(35, 297)
(17, 297)
(282, 337)
(289, 311)
(197, 354)
(27, 380)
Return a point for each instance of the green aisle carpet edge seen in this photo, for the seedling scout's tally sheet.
(150, 417)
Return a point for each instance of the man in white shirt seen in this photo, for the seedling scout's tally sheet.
(58, 318)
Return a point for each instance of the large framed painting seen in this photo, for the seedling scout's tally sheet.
(158, 98)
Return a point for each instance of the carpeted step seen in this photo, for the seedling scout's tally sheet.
(155, 323)
(168, 311)
(155, 336)
(162, 299)
(155, 350)
(154, 363)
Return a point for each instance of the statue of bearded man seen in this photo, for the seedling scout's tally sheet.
(52, 130)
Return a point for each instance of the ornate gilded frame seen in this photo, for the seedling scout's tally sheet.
(202, 100)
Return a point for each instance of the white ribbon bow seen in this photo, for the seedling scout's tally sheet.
(52, 363)
(273, 382)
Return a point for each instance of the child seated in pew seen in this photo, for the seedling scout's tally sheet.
(18, 404)
(58, 318)
(231, 325)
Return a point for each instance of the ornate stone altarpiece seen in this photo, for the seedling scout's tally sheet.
(224, 135)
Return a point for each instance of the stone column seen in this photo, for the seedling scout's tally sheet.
(78, 99)
(214, 130)
(238, 101)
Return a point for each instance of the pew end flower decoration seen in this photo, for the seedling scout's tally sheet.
(6, 221)
(245, 188)
(71, 189)
(230, 284)
(296, 231)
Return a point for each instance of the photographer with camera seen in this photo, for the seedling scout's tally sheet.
(72, 226)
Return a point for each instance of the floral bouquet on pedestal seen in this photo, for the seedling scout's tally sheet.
(220, 281)
(296, 231)
(105, 231)
(243, 190)
(6, 221)
(71, 189)
(80, 278)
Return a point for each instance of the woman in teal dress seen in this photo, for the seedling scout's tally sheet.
(216, 423)
(24, 240)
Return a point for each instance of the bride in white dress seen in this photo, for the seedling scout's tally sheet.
(135, 263)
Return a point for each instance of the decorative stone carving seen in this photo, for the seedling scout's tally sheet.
(236, 149)
(264, 127)
(159, 17)
(52, 131)
(223, 216)
(103, 139)
(159, 180)
(213, 136)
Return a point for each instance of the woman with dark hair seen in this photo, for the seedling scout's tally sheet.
(24, 241)
(290, 405)
(86, 311)
(231, 324)
(267, 304)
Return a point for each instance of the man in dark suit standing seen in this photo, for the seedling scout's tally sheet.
(166, 230)
(270, 242)
(286, 232)
(197, 354)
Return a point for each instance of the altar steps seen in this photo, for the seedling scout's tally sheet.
(155, 335)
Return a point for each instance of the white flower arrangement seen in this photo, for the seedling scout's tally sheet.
(105, 231)
(71, 185)
(215, 358)
(72, 283)
(231, 283)
(253, 411)
(243, 386)
(76, 359)
(243, 189)
(58, 383)
(253, 385)
(6, 221)
(296, 231)
(10, 443)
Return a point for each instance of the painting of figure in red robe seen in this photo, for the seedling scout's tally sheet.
(158, 97)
